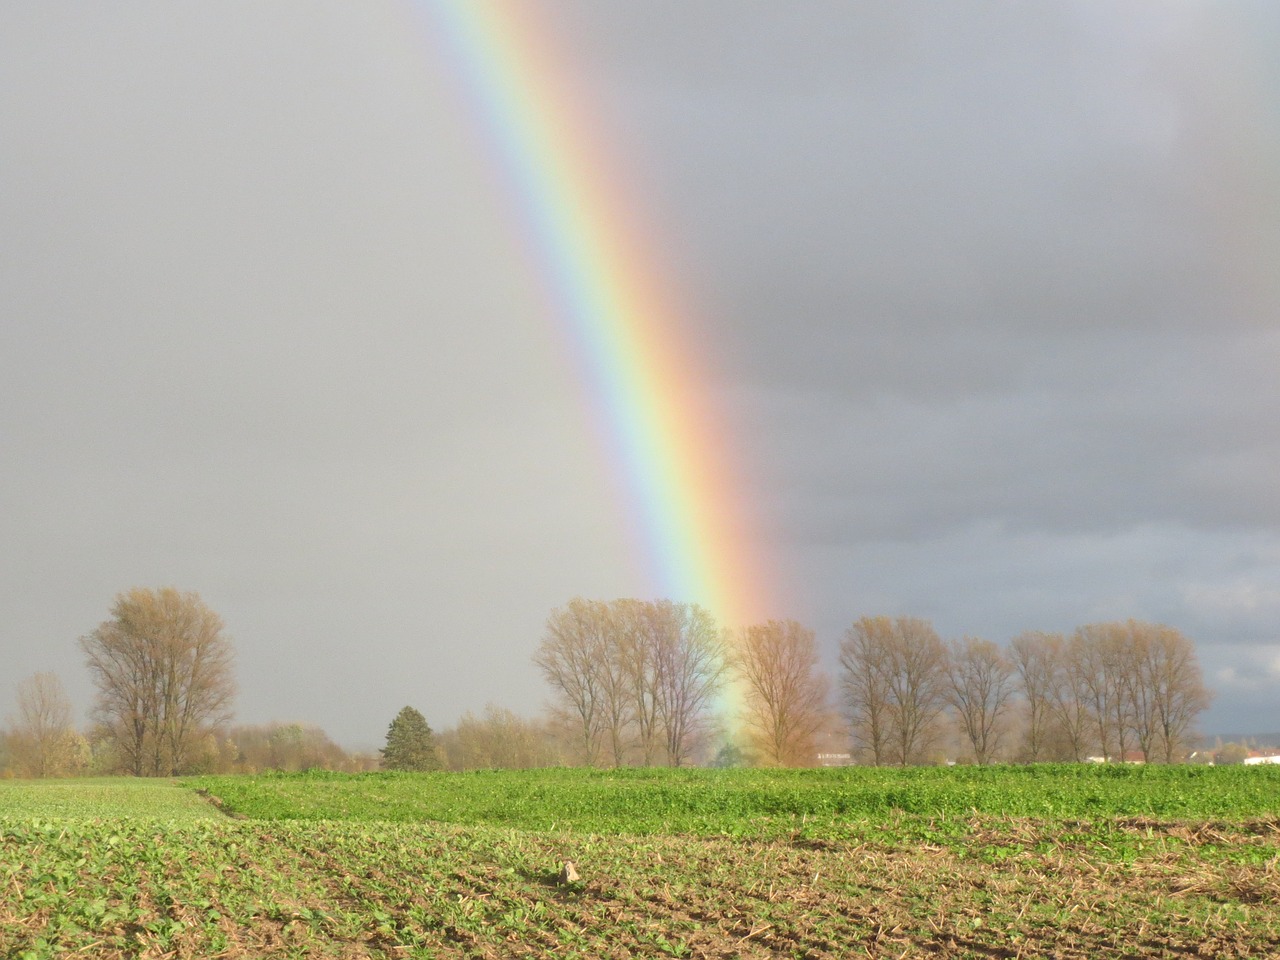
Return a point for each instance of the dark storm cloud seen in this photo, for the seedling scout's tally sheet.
(991, 296)
(1004, 221)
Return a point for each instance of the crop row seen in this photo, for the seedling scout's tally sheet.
(149, 888)
(753, 802)
(672, 863)
(104, 798)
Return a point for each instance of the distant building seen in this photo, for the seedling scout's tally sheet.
(832, 749)
(1252, 760)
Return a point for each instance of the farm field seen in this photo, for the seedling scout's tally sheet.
(1067, 862)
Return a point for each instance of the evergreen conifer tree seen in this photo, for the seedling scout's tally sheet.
(410, 743)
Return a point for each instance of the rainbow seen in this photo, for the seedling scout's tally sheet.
(641, 374)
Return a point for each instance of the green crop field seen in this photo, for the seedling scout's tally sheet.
(105, 799)
(1067, 862)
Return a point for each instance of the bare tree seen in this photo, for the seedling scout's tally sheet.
(894, 677)
(786, 695)
(1037, 661)
(1141, 685)
(569, 657)
(497, 740)
(289, 747)
(1107, 659)
(864, 677)
(1178, 693)
(691, 658)
(916, 669)
(1069, 698)
(642, 629)
(980, 689)
(163, 668)
(676, 660)
(1122, 658)
(43, 741)
(1165, 685)
(613, 648)
(638, 675)
(1097, 684)
(1136, 642)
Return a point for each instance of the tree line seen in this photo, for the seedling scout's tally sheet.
(1113, 691)
(163, 670)
(638, 682)
(162, 666)
(648, 683)
(633, 677)
(41, 740)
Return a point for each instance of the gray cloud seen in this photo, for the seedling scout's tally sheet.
(987, 296)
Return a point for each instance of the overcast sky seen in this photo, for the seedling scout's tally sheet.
(989, 295)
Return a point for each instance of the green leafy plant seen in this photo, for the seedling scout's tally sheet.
(672, 863)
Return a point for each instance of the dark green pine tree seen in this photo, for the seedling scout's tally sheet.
(410, 743)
